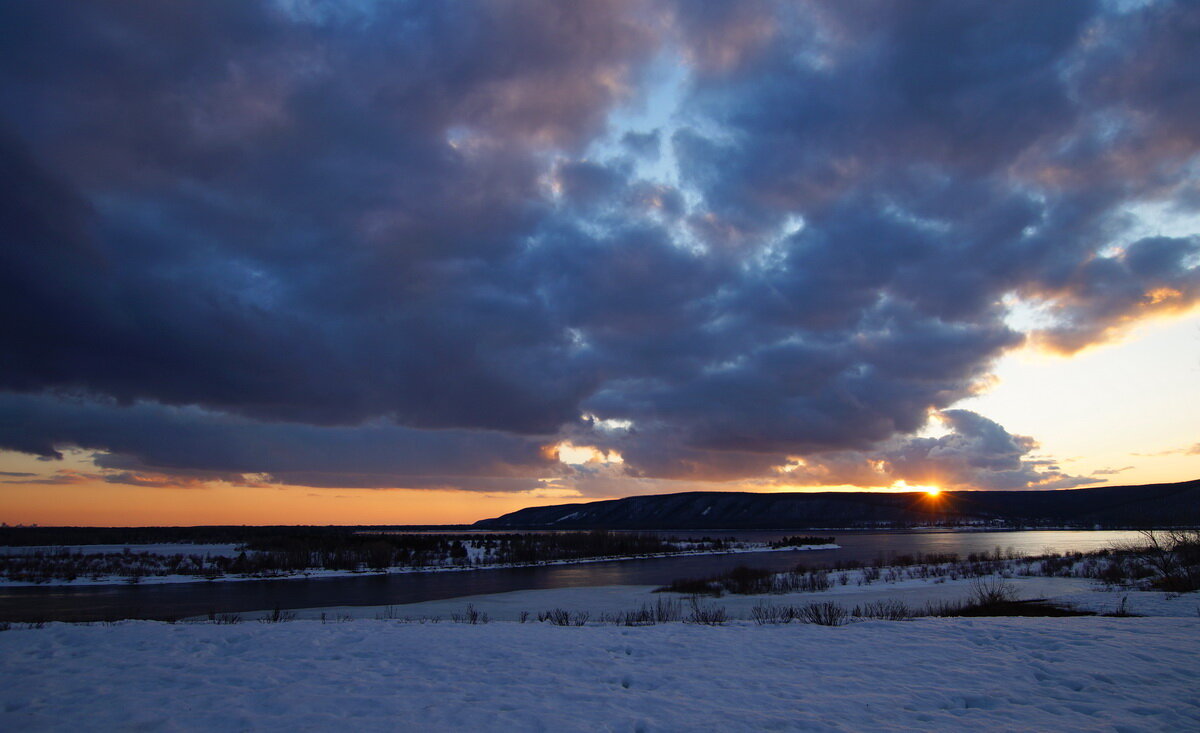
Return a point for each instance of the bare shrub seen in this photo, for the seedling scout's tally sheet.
(471, 616)
(765, 613)
(885, 611)
(643, 616)
(563, 617)
(422, 620)
(811, 582)
(663, 611)
(667, 611)
(706, 615)
(556, 616)
(990, 591)
(278, 616)
(822, 614)
(1122, 609)
(1173, 556)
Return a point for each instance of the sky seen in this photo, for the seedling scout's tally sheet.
(380, 263)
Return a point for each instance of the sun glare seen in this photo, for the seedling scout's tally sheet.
(578, 455)
(929, 489)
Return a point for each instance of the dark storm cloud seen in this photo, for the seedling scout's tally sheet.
(291, 220)
(379, 246)
(201, 444)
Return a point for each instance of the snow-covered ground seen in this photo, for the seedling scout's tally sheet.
(232, 551)
(411, 667)
(1078, 674)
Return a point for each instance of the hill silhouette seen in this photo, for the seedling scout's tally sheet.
(1148, 505)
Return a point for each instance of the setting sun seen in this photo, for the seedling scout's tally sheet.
(902, 485)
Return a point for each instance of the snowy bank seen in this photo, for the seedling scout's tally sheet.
(599, 600)
(929, 674)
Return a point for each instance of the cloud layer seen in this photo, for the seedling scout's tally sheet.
(411, 245)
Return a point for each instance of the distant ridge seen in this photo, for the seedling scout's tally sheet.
(1108, 506)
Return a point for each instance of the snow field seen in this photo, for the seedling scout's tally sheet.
(1078, 674)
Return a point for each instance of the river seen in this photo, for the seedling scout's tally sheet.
(179, 600)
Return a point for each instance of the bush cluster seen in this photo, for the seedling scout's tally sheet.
(663, 611)
(801, 541)
(745, 580)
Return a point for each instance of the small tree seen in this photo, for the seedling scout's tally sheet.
(1173, 555)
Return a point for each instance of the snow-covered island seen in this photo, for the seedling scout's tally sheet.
(334, 555)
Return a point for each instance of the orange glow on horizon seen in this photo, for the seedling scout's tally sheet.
(98, 504)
